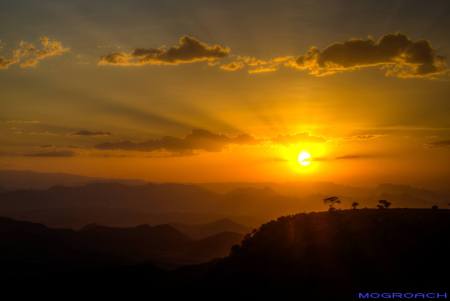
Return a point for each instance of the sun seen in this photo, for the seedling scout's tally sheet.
(304, 158)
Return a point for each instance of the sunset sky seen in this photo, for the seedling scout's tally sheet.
(201, 91)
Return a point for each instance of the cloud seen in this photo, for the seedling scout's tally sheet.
(18, 121)
(198, 139)
(188, 50)
(5, 63)
(439, 143)
(27, 55)
(255, 65)
(233, 66)
(32, 127)
(363, 137)
(355, 156)
(350, 157)
(91, 133)
(397, 54)
(297, 138)
(56, 153)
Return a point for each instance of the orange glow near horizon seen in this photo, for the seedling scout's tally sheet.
(189, 119)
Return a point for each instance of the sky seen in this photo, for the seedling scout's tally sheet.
(211, 91)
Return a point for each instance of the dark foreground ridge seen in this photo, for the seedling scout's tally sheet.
(344, 251)
(324, 254)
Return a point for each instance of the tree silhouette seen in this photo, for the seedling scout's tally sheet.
(331, 201)
(355, 205)
(383, 204)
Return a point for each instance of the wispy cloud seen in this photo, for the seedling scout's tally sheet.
(439, 143)
(91, 133)
(53, 153)
(28, 55)
(357, 156)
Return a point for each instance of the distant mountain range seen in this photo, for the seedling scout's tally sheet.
(74, 201)
(118, 204)
(25, 179)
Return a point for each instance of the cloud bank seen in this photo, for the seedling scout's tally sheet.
(188, 50)
(439, 143)
(397, 54)
(198, 139)
(91, 133)
(55, 153)
(27, 55)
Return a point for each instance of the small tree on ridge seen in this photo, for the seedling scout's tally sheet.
(331, 201)
(383, 204)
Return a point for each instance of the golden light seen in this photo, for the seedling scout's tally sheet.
(304, 158)
(301, 158)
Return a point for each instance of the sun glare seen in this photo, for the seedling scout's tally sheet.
(304, 158)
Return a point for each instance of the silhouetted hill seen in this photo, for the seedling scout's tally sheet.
(214, 246)
(342, 252)
(320, 256)
(34, 248)
(140, 243)
(30, 249)
(213, 228)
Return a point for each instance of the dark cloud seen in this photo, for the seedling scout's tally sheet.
(397, 54)
(363, 137)
(28, 55)
(358, 156)
(350, 157)
(38, 128)
(188, 50)
(55, 153)
(355, 156)
(18, 121)
(198, 139)
(439, 143)
(297, 138)
(91, 133)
